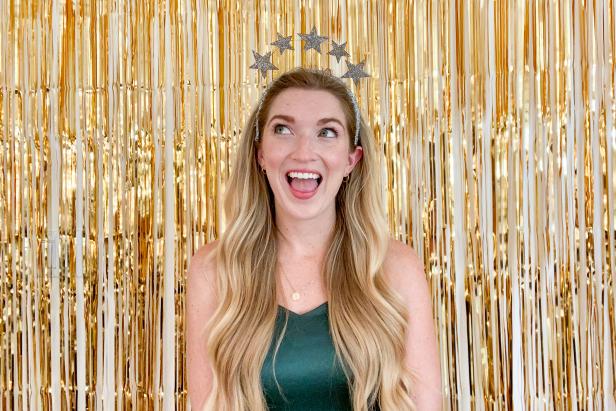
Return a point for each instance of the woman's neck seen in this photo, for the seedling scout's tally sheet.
(304, 238)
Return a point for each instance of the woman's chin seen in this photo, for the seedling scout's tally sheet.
(296, 209)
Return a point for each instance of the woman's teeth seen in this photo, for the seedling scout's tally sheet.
(294, 174)
(303, 176)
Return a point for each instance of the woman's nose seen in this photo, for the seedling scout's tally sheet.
(304, 148)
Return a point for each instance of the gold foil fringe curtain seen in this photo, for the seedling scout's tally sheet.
(119, 120)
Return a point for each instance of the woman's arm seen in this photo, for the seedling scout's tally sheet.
(422, 354)
(200, 306)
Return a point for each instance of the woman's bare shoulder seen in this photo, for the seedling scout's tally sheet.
(205, 256)
(203, 264)
(403, 266)
(200, 280)
(408, 276)
(200, 306)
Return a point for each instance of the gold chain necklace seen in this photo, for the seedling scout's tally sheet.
(296, 294)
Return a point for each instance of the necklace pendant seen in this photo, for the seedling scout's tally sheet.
(295, 296)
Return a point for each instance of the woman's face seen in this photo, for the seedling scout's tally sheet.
(305, 151)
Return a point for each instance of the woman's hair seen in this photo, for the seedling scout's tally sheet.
(367, 318)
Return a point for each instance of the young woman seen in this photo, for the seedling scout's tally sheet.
(306, 281)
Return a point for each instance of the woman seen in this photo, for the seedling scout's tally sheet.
(305, 280)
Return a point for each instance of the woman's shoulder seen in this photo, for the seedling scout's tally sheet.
(202, 265)
(402, 256)
(422, 357)
(200, 307)
(205, 255)
(404, 268)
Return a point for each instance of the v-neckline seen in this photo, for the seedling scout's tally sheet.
(315, 310)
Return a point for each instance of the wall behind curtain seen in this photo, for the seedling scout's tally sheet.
(119, 121)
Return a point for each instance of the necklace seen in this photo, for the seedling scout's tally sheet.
(296, 295)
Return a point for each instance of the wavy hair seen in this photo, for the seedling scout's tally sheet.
(367, 317)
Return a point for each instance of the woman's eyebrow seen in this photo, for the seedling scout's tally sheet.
(288, 119)
(328, 119)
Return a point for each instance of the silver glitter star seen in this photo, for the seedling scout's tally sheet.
(338, 51)
(283, 43)
(355, 71)
(313, 40)
(262, 63)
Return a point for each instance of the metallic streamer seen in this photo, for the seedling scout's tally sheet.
(169, 272)
(119, 121)
(53, 233)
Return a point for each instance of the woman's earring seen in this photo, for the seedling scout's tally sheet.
(263, 170)
(346, 179)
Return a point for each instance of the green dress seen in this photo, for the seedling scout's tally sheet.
(307, 369)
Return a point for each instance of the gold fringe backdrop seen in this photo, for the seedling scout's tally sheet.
(119, 121)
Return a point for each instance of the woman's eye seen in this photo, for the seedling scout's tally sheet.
(329, 132)
(280, 129)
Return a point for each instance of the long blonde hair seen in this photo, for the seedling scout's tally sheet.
(367, 318)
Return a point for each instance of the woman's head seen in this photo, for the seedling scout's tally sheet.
(307, 122)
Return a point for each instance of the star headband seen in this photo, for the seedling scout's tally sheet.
(312, 41)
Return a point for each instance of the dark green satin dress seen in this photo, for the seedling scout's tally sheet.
(307, 369)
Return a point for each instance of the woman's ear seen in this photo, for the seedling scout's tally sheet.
(354, 157)
(260, 157)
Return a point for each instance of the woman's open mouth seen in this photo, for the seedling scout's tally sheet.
(303, 185)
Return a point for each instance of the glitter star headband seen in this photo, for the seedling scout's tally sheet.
(312, 41)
